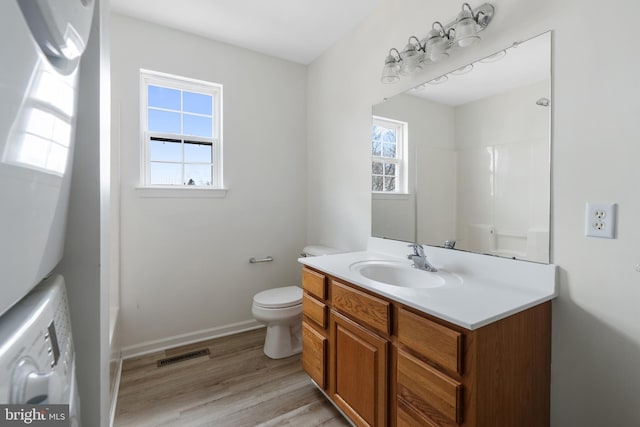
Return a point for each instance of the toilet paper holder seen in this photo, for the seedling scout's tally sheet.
(253, 260)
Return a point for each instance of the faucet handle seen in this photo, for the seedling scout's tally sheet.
(449, 244)
(417, 249)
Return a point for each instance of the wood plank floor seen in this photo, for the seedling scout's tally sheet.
(235, 386)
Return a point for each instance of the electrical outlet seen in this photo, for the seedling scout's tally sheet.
(600, 219)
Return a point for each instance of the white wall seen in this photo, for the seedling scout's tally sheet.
(595, 150)
(184, 262)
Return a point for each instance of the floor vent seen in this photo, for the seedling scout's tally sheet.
(183, 357)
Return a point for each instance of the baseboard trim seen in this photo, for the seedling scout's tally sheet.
(114, 396)
(114, 331)
(190, 338)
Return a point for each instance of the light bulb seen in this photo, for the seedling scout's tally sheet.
(436, 46)
(465, 30)
(390, 71)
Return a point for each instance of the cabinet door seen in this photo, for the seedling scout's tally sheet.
(314, 354)
(358, 371)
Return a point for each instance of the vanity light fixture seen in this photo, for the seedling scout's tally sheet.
(390, 72)
(438, 43)
(466, 32)
(412, 57)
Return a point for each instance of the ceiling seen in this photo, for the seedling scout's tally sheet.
(523, 64)
(295, 30)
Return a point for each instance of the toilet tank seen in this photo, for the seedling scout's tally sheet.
(318, 250)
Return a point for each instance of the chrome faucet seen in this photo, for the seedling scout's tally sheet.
(449, 244)
(419, 258)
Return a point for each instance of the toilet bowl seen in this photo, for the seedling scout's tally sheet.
(280, 309)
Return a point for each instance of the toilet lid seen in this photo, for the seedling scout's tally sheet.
(279, 297)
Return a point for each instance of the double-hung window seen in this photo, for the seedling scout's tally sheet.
(388, 156)
(181, 126)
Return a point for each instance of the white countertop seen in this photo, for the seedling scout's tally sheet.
(492, 288)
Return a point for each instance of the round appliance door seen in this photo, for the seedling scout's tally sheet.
(61, 28)
(29, 383)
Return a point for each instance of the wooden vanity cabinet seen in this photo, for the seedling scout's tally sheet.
(386, 364)
(494, 376)
(315, 333)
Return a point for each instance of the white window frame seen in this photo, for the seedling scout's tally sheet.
(402, 145)
(155, 78)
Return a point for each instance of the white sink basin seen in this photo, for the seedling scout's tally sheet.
(402, 274)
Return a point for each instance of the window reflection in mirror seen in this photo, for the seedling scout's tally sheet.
(480, 157)
(388, 157)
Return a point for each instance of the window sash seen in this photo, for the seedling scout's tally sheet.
(396, 175)
(216, 153)
(400, 154)
(152, 78)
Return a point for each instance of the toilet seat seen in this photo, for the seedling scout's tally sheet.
(286, 296)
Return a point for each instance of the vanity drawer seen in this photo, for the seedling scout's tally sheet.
(409, 417)
(314, 310)
(441, 345)
(362, 307)
(314, 354)
(428, 391)
(314, 283)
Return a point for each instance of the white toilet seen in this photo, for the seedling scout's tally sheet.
(281, 310)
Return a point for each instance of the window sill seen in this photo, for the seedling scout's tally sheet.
(181, 192)
(390, 196)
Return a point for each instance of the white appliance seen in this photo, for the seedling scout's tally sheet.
(37, 358)
(42, 43)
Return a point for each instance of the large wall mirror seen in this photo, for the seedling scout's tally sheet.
(466, 157)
